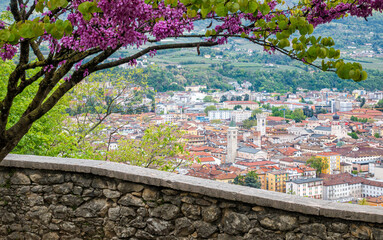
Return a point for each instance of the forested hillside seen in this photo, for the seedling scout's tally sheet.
(218, 76)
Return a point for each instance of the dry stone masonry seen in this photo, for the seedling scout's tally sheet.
(52, 198)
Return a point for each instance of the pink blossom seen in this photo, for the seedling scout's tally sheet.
(7, 51)
(86, 73)
(153, 52)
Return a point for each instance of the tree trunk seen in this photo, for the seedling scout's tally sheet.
(8, 144)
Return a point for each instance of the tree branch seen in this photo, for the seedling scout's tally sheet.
(36, 50)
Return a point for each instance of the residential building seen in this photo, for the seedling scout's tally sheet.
(251, 153)
(220, 114)
(240, 116)
(345, 167)
(276, 181)
(309, 187)
(244, 104)
(333, 161)
(346, 187)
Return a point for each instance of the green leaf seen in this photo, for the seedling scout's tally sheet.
(57, 34)
(221, 10)
(4, 35)
(284, 43)
(87, 16)
(243, 3)
(310, 29)
(303, 30)
(282, 25)
(40, 6)
(84, 7)
(235, 8)
(14, 37)
(264, 8)
(68, 27)
(204, 12)
(313, 51)
(337, 54)
(26, 30)
(322, 52)
(191, 13)
(49, 27)
(253, 6)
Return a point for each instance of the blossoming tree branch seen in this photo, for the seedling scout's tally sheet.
(76, 30)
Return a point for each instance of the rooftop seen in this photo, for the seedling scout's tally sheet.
(307, 180)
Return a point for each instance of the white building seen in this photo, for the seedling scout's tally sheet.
(220, 115)
(345, 187)
(322, 130)
(240, 116)
(360, 154)
(339, 106)
(310, 187)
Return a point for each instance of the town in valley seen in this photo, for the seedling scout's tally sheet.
(276, 136)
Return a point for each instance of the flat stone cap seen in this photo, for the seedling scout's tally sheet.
(205, 187)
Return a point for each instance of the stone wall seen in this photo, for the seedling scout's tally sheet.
(53, 198)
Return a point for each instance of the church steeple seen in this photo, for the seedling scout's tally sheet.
(232, 145)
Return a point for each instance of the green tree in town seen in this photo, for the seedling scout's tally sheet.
(223, 99)
(236, 107)
(377, 135)
(254, 113)
(210, 108)
(249, 123)
(216, 121)
(250, 180)
(320, 164)
(298, 115)
(379, 105)
(354, 135)
(362, 102)
(209, 99)
(246, 97)
(161, 148)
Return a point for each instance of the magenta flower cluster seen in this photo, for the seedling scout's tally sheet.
(321, 13)
(125, 23)
(7, 51)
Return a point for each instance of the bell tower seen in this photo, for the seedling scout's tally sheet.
(261, 123)
(232, 145)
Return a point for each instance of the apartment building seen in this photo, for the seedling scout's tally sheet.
(309, 187)
(333, 161)
(276, 181)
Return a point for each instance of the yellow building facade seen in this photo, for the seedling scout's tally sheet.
(333, 162)
(276, 181)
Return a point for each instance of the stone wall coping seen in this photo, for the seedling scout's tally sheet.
(209, 188)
